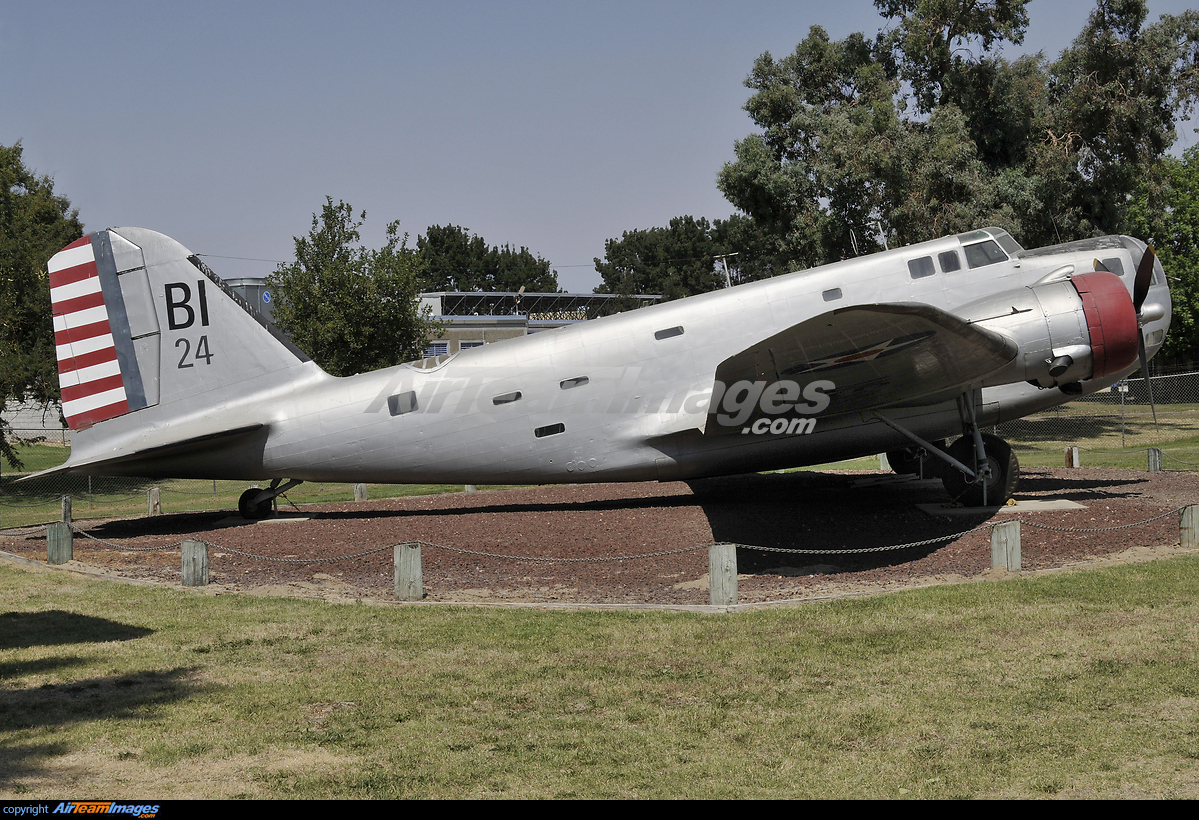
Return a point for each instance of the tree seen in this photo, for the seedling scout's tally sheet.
(458, 260)
(675, 261)
(924, 132)
(351, 308)
(1167, 214)
(35, 223)
(685, 258)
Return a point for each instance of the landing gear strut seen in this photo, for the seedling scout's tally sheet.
(256, 503)
(996, 477)
(978, 470)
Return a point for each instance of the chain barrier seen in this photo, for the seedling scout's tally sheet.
(629, 557)
(123, 547)
(328, 560)
(1104, 529)
(558, 560)
(1179, 460)
(910, 545)
(24, 533)
(35, 504)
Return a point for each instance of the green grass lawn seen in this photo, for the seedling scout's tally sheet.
(1082, 684)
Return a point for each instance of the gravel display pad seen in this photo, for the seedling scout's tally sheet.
(604, 527)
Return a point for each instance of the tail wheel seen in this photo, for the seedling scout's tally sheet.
(1005, 473)
(251, 511)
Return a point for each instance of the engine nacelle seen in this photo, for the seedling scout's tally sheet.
(1084, 327)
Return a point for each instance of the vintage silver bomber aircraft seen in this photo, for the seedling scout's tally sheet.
(166, 372)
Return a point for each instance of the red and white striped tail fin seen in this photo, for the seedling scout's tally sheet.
(89, 373)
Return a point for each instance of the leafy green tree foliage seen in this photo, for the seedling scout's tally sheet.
(35, 223)
(458, 260)
(1166, 213)
(684, 258)
(351, 308)
(674, 261)
(924, 131)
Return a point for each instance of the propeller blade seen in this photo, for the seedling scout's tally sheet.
(1100, 266)
(1145, 373)
(1144, 278)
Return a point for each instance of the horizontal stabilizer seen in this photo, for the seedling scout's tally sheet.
(141, 462)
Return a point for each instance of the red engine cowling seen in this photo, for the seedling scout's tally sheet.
(1068, 329)
(1111, 321)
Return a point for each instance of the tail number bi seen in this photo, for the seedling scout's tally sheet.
(181, 315)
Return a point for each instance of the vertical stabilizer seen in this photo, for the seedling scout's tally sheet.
(141, 323)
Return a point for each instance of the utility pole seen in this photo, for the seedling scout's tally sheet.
(728, 280)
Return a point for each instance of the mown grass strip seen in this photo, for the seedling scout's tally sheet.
(1081, 684)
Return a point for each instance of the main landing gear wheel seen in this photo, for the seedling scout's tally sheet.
(251, 511)
(1005, 473)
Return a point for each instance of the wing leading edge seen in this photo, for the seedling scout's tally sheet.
(854, 359)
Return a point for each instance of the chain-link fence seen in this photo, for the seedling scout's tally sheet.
(1114, 428)
(1116, 423)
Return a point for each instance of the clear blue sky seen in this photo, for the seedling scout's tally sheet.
(550, 125)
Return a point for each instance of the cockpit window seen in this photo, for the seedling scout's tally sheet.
(984, 253)
(1006, 242)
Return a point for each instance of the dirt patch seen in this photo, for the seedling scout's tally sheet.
(581, 543)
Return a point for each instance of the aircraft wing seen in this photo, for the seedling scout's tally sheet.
(854, 359)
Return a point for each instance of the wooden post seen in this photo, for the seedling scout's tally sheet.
(1072, 457)
(66, 509)
(1005, 545)
(153, 502)
(722, 574)
(408, 578)
(470, 488)
(1188, 527)
(1155, 460)
(59, 544)
(360, 492)
(195, 563)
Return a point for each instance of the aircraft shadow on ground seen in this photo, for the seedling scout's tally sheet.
(1080, 489)
(21, 630)
(824, 511)
(115, 697)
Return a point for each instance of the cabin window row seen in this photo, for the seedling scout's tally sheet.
(978, 255)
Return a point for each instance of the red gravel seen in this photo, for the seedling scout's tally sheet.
(800, 510)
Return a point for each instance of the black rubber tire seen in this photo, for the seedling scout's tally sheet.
(1005, 473)
(251, 511)
(906, 461)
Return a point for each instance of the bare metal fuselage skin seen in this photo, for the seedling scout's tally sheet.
(620, 398)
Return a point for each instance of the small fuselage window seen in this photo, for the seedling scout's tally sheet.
(950, 261)
(402, 403)
(921, 267)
